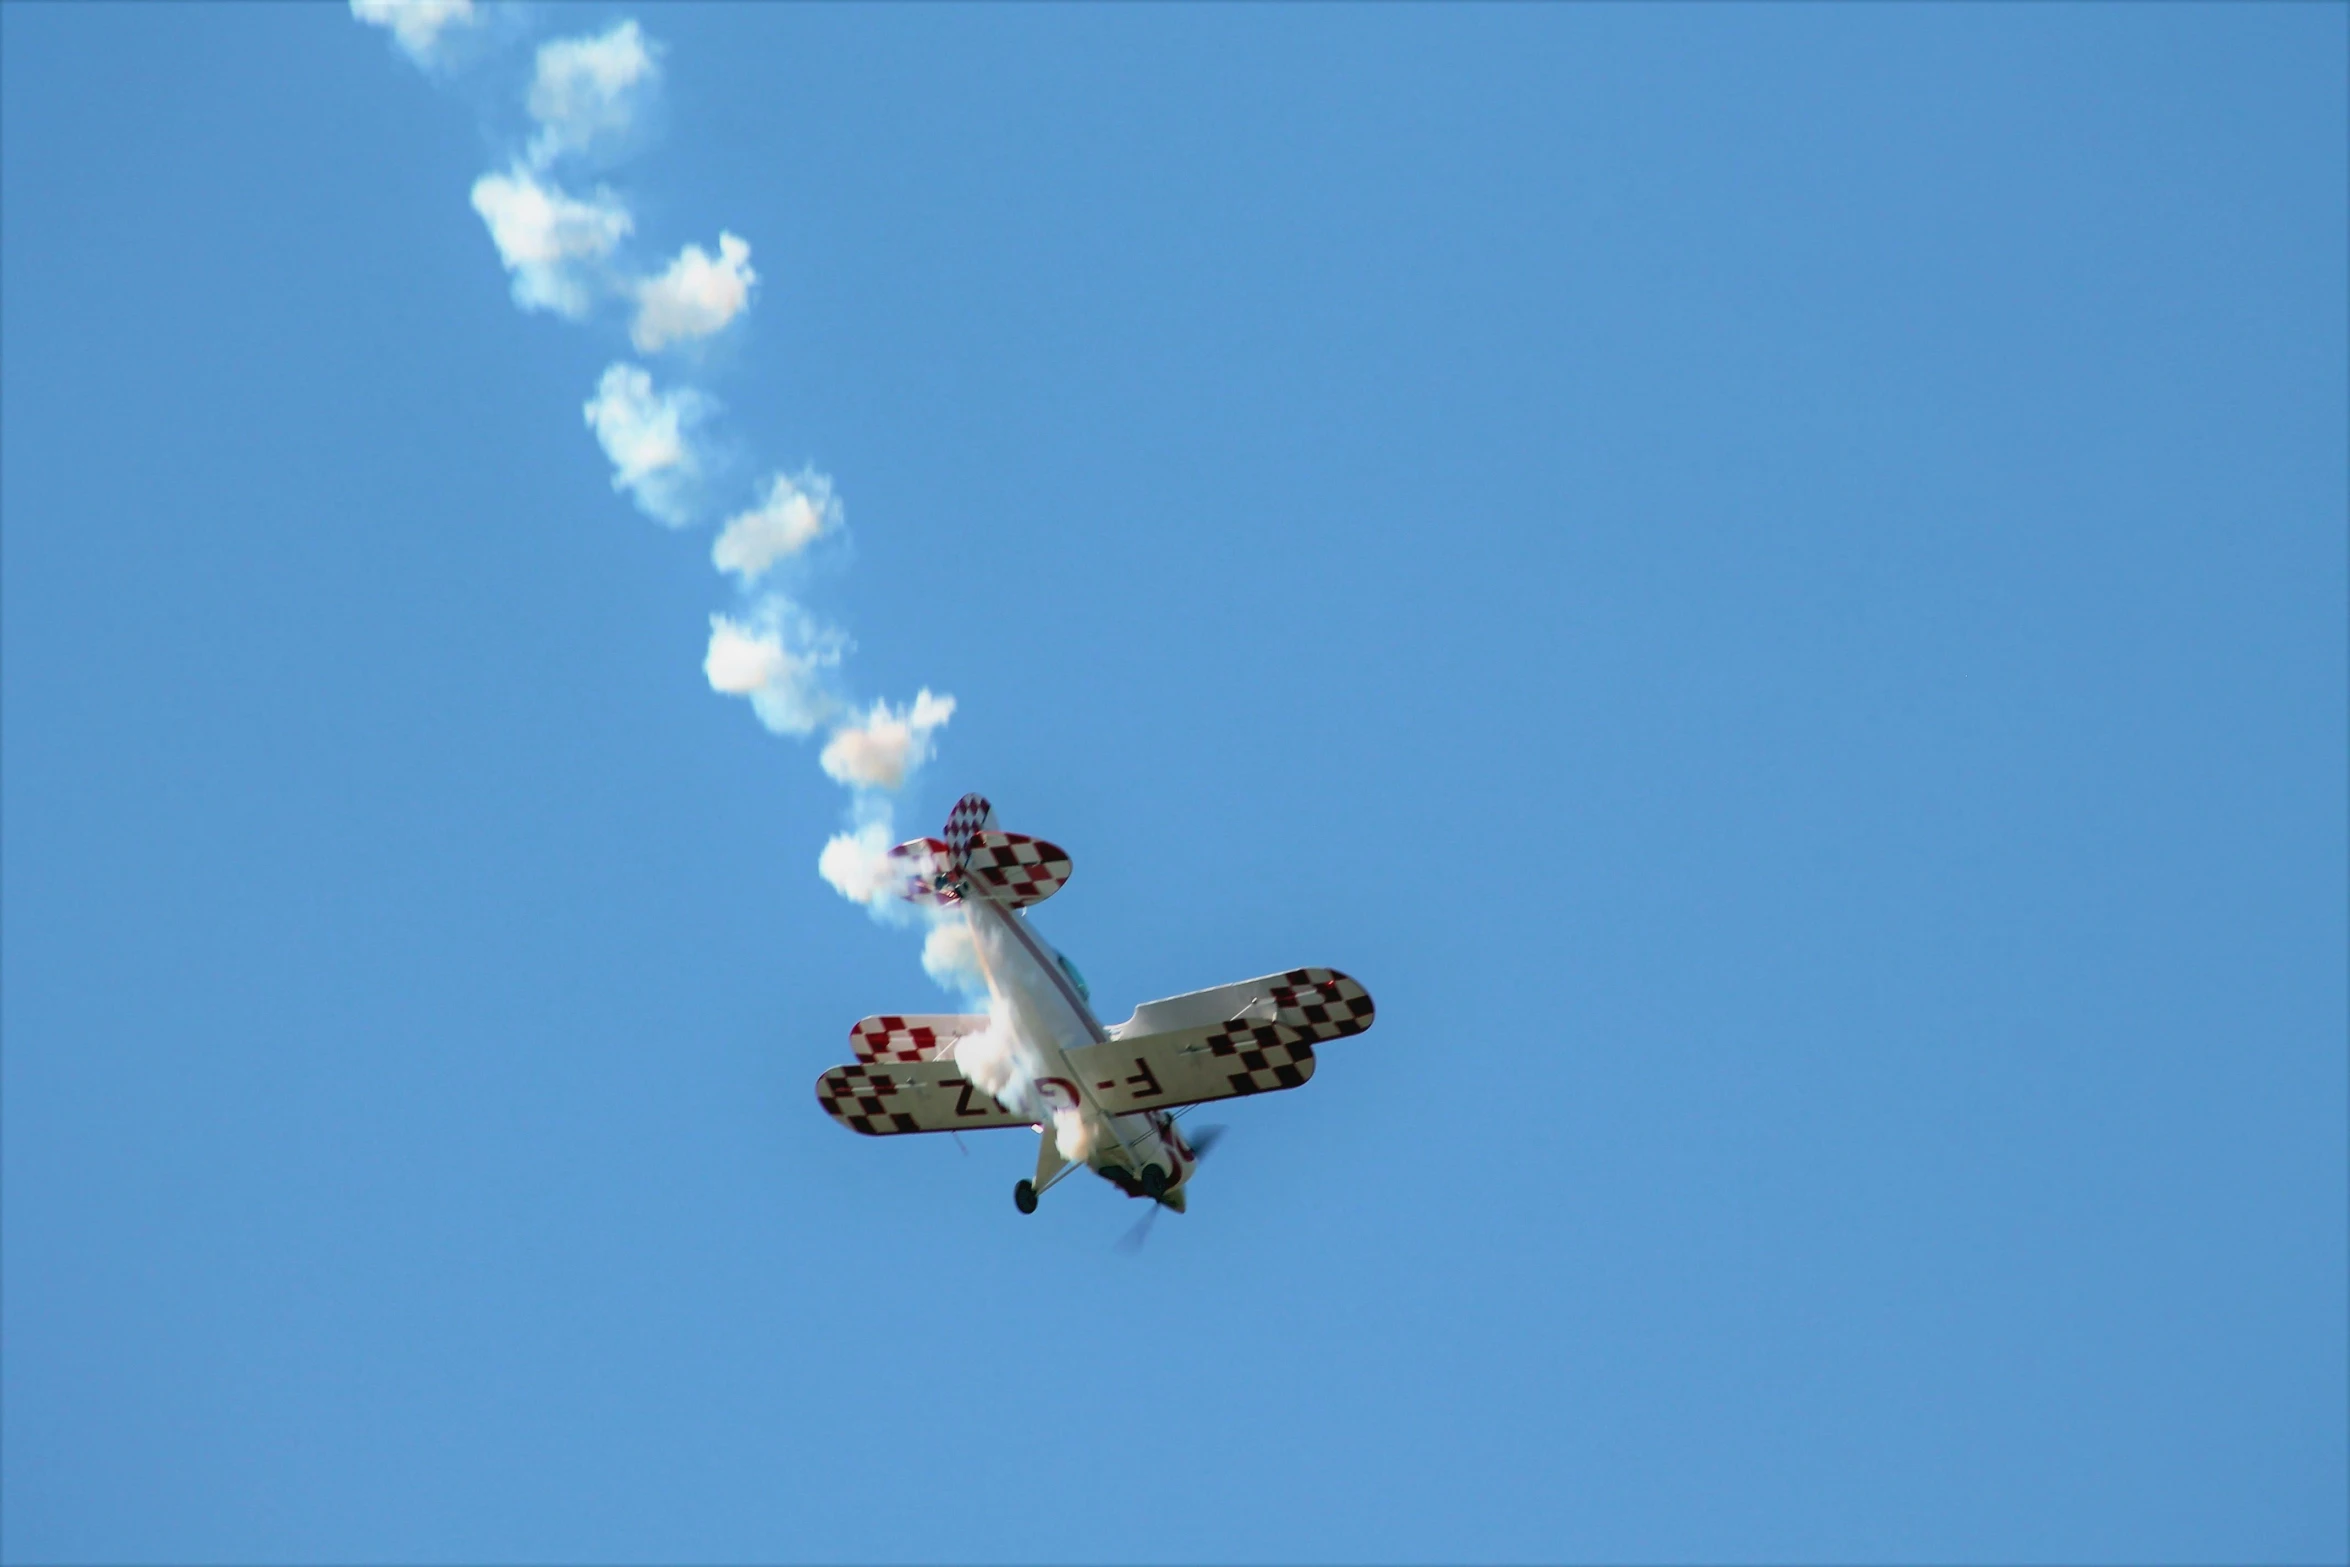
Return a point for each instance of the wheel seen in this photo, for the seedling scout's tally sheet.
(1024, 1197)
(1154, 1182)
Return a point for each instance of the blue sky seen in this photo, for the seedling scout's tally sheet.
(1772, 580)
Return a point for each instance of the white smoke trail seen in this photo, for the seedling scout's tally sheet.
(548, 239)
(949, 957)
(878, 752)
(586, 93)
(696, 297)
(780, 658)
(646, 434)
(417, 26)
(1073, 1134)
(994, 1059)
(797, 511)
(1006, 1066)
(857, 864)
(588, 99)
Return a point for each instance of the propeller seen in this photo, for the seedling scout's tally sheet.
(1199, 1143)
(1132, 1240)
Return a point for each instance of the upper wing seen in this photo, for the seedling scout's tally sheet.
(918, 1096)
(1263, 1039)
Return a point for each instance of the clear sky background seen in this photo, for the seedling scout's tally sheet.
(1772, 580)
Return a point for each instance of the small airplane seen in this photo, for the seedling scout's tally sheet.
(1101, 1098)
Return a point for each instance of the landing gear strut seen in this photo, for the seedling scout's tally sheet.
(1024, 1196)
(1154, 1182)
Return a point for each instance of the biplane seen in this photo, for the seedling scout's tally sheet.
(1100, 1098)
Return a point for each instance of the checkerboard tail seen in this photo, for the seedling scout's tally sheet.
(972, 814)
(1014, 868)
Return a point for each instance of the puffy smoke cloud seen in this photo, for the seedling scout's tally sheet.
(416, 25)
(856, 863)
(1007, 1067)
(547, 239)
(1072, 1134)
(888, 743)
(647, 436)
(796, 511)
(997, 1061)
(781, 660)
(588, 90)
(696, 296)
(949, 957)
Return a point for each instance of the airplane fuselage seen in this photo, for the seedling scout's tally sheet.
(1033, 991)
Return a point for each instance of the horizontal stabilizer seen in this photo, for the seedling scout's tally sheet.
(891, 1037)
(922, 871)
(1014, 868)
(881, 1100)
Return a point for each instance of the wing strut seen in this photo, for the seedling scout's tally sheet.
(1050, 1166)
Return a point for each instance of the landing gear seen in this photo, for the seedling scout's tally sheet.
(1154, 1182)
(1024, 1196)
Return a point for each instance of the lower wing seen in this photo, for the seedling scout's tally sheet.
(881, 1099)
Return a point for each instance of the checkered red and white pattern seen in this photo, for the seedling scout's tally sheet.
(1323, 1002)
(891, 1037)
(1309, 1005)
(918, 872)
(858, 1097)
(1016, 869)
(884, 1099)
(971, 814)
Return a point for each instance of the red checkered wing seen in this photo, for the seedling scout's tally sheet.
(1251, 1038)
(895, 1037)
(882, 1099)
(1013, 868)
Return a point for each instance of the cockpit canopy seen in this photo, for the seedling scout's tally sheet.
(1075, 978)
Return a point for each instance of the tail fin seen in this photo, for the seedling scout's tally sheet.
(929, 871)
(1007, 867)
(972, 814)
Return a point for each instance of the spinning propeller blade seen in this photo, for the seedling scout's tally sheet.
(1132, 1240)
(1199, 1142)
